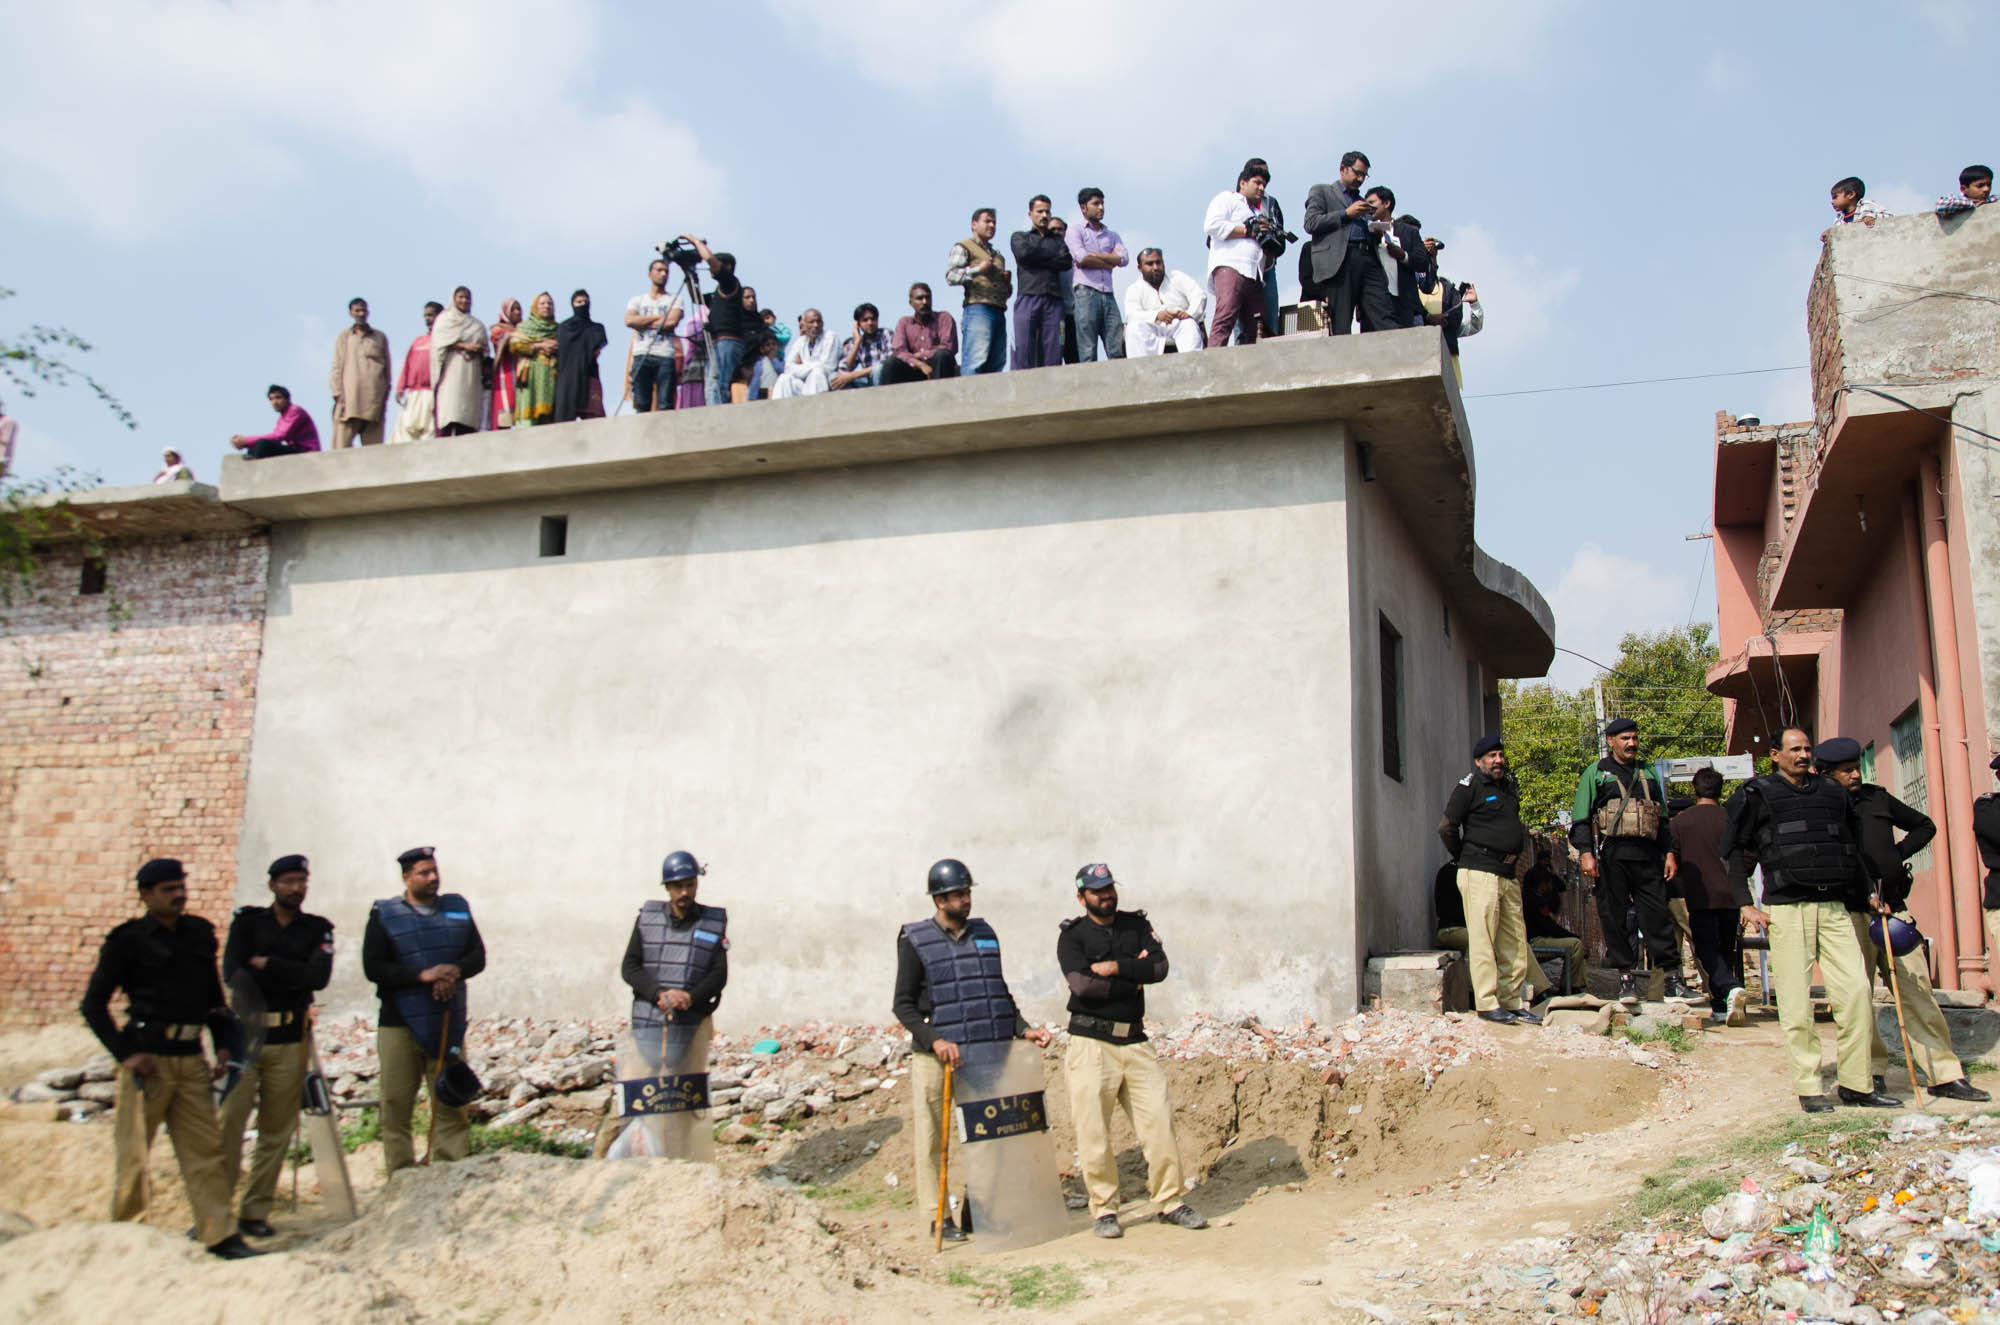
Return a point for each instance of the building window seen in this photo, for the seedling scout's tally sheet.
(92, 580)
(1868, 762)
(1392, 700)
(555, 535)
(1906, 738)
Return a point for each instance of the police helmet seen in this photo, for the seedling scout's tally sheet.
(681, 866)
(948, 876)
(1902, 937)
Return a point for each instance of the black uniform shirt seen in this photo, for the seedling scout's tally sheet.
(706, 992)
(379, 964)
(913, 1003)
(1748, 814)
(1121, 997)
(1986, 830)
(1481, 825)
(1614, 781)
(1877, 816)
(168, 973)
(298, 959)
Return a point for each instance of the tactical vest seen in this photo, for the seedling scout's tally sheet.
(677, 958)
(423, 941)
(987, 288)
(969, 999)
(1806, 842)
(1632, 812)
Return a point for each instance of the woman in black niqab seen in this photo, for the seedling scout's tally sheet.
(579, 341)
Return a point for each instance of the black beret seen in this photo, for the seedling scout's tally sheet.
(288, 865)
(415, 854)
(164, 870)
(1487, 744)
(1837, 750)
(1617, 725)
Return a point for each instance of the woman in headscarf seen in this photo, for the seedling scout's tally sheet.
(579, 341)
(504, 362)
(535, 349)
(693, 356)
(458, 358)
(175, 470)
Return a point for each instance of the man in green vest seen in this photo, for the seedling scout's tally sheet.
(978, 267)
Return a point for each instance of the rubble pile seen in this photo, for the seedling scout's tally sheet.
(1859, 1228)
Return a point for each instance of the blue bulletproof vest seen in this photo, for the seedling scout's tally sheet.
(677, 958)
(423, 941)
(969, 999)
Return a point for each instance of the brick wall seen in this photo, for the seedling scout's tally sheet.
(121, 738)
(1823, 339)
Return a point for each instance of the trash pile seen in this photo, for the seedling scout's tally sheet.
(1859, 1227)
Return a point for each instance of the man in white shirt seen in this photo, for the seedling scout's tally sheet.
(1235, 262)
(809, 359)
(1162, 308)
(653, 316)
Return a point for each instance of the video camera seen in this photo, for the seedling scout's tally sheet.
(679, 252)
(1268, 235)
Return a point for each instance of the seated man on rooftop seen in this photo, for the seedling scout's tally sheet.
(1162, 309)
(1850, 204)
(863, 353)
(294, 434)
(925, 345)
(1975, 189)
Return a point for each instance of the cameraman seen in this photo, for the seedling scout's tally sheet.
(1268, 229)
(731, 326)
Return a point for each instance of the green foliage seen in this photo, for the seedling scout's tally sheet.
(40, 355)
(1673, 1037)
(1657, 679)
(1676, 1192)
(1044, 1286)
(366, 1127)
(526, 1138)
(843, 1197)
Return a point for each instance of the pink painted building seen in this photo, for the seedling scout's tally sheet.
(1857, 556)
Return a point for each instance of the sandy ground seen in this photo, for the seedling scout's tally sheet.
(1315, 1193)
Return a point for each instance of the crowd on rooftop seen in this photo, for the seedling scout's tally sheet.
(1360, 263)
(1851, 203)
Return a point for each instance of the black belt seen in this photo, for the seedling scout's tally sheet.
(1117, 1030)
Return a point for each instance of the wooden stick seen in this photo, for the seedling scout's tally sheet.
(944, 1164)
(1896, 992)
(430, 1134)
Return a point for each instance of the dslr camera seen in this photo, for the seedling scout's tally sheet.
(679, 252)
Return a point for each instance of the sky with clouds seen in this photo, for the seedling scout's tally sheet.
(198, 188)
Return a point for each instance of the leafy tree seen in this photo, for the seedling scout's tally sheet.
(40, 355)
(1549, 735)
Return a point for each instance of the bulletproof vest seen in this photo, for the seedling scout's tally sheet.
(987, 288)
(422, 941)
(1632, 812)
(677, 958)
(1807, 841)
(969, 999)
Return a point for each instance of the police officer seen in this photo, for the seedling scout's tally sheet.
(677, 960)
(1108, 957)
(1481, 828)
(289, 954)
(1619, 827)
(950, 991)
(165, 963)
(419, 950)
(1799, 826)
(1878, 815)
(1986, 830)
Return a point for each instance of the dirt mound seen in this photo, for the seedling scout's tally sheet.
(24, 1053)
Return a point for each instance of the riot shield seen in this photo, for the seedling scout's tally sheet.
(662, 1098)
(1000, 1117)
(320, 1121)
(246, 1002)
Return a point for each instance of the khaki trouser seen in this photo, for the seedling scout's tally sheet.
(1924, 1028)
(275, 1084)
(1573, 955)
(180, 1095)
(1496, 947)
(1802, 933)
(1677, 907)
(927, 1134)
(345, 431)
(1456, 939)
(405, 1064)
(1102, 1078)
(1993, 945)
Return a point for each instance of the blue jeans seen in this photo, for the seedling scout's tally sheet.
(722, 368)
(1097, 316)
(652, 382)
(985, 328)
(1272, 327)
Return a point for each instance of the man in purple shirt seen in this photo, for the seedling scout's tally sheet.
(925, 345)
(1096, 250)
(294, 434)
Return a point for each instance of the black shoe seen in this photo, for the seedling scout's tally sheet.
(1961, 1089)
(255, 1228)
(1881, 1083)
(1675, 987)
(234, 1248)
(1106, 1226)
(1498, 1016)
(952, 1232)
(1629, 988)
(1524, 1015)
(1815, 1104)
(1873, 1099)
(1182, 1216)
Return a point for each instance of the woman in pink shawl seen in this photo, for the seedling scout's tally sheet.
(501, 413)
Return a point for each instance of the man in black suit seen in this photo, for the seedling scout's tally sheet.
(1340, 265)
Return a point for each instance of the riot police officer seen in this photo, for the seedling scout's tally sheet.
(1799, 826)
(1619, 826)
(1481, 828)
(677, 960)
(950, 991)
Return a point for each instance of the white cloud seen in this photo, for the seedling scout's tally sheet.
(1520, 293)
(1951, 19)
(149, 118)
(1040, 60)
(1603, 596)
(1904, 198)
